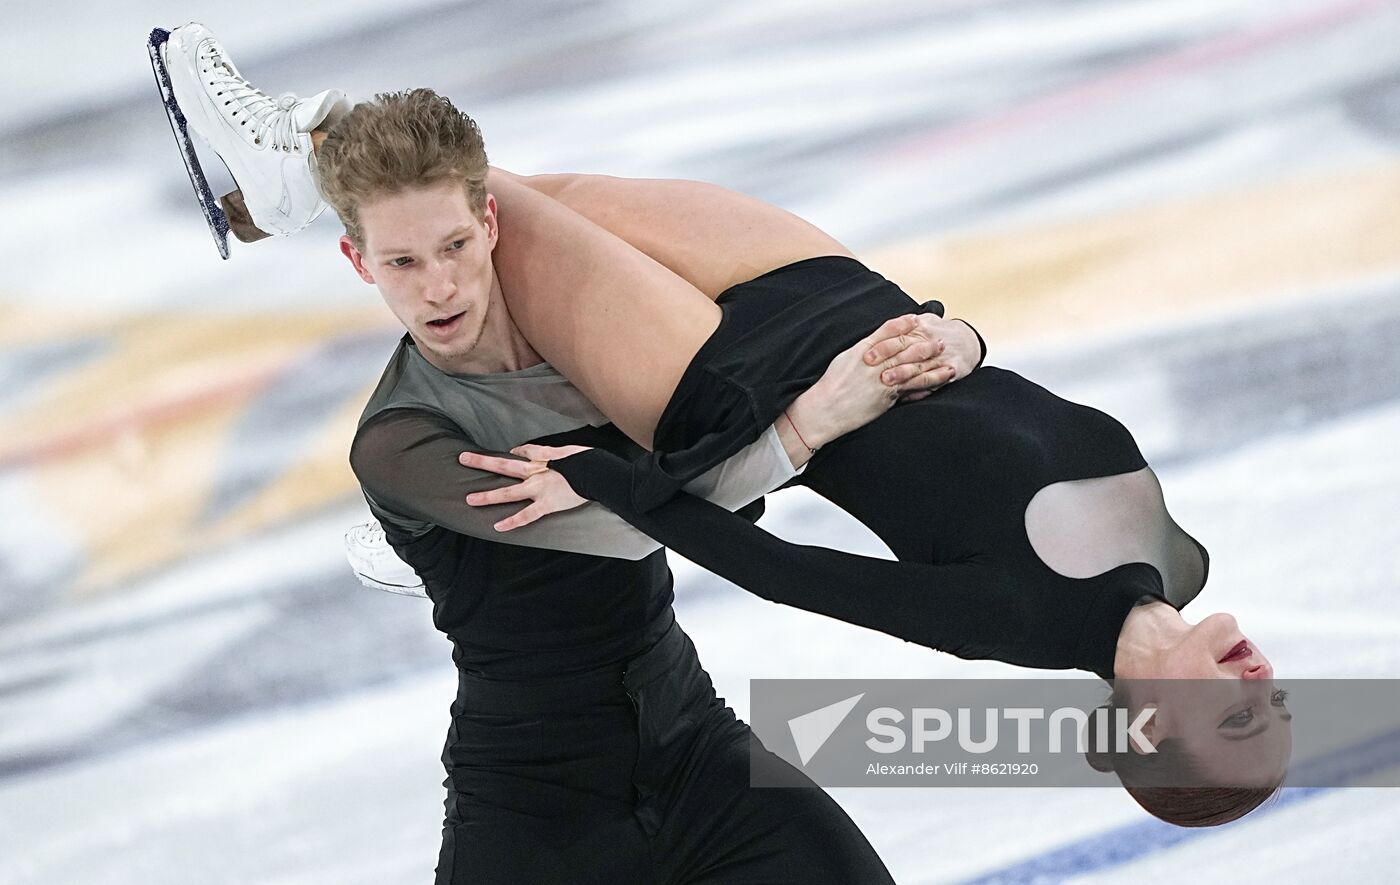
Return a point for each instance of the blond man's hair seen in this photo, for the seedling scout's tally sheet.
(399, 140)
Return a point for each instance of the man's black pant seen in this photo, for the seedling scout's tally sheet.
(633, 775)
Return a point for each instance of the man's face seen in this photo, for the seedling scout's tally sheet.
(430, 256)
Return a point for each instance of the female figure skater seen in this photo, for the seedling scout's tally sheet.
(1029, 529)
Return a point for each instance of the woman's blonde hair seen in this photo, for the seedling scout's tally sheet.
(399, 140)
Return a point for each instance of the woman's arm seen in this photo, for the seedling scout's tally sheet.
(407, 462)
(969, 609)
(972, 609)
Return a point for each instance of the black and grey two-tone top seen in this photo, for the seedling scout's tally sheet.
(577, 590)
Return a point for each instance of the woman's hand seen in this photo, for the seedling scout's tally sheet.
(547, 489)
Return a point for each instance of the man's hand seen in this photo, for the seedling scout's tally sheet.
(852, 392)
(910, 356)
(547, 489)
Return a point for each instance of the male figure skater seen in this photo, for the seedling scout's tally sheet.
(586, 743)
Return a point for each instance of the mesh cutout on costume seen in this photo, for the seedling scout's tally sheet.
(1084, 527)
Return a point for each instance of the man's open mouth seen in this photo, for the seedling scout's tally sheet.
(445, 321)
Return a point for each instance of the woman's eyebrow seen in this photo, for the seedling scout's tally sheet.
(1225, 732)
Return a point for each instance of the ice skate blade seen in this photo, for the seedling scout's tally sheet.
(398, 589)
(213, 215)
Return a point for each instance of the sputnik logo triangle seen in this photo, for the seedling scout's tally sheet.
(811, 730)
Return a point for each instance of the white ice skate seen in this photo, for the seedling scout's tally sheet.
(377, 565)
(264, 142)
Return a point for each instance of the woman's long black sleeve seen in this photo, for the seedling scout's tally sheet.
(969, 609)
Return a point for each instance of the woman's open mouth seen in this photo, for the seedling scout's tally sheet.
(1241, 650)
(447, 325)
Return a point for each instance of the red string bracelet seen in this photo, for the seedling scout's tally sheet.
(810, 450)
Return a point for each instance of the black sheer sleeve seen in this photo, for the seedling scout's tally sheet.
(406, 461)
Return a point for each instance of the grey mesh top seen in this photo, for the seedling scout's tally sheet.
(436, 415)
(566, 594)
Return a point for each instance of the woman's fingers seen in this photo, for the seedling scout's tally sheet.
(537, 452)
(521, 517)
(503, 466)
(520, 491)
(547, 491)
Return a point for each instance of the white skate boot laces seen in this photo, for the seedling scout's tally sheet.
(272, 120)
(370, 534)
(377, 565)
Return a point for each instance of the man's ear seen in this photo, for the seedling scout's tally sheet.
(357, 260)
(493, 231)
